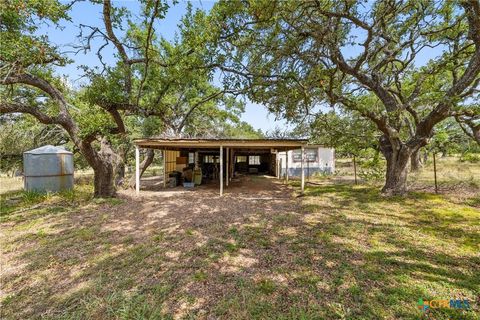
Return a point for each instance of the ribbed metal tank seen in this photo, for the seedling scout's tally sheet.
(48, 169)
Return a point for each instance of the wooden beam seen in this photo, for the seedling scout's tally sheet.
(232, 163)
(205, 143)
(221, 170)
(228, 167)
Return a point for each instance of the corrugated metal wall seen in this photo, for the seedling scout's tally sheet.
(171, 160)
(48, 168)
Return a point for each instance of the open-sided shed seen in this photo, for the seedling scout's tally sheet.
(226, 155)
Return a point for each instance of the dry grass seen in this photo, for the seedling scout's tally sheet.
(339, 252)
(9, 184)
(457, 180)
(460, 180)
(15, 184)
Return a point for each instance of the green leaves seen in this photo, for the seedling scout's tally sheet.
(107, 89)
(92, 120)
(19, 21)
(395, 63)
(347, 132)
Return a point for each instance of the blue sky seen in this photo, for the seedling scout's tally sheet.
(89, 14)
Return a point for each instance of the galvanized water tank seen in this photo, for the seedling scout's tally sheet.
(48, 168)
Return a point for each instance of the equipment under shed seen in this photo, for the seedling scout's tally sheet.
(200, 160)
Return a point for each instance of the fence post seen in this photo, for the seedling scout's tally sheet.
(435, 172)
(355, 168)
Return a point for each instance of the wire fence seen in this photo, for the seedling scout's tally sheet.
(451, 174)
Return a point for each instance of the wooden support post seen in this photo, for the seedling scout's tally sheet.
(228, 166)
(277, 167)
(137, 170)
(303, 172)
(280, 165)
(164, 168)
(286, 165)
(221, 170)
(232, 164)
(435, 173)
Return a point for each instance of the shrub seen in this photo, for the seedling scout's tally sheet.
(470, 157)
(372, 170)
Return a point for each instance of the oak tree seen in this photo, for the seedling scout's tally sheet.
(148, 76)
(419, 59)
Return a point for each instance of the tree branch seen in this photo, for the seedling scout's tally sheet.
(12, 107)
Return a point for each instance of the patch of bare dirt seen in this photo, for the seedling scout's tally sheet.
(176, 233)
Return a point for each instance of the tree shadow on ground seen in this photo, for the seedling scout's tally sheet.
(343, 252)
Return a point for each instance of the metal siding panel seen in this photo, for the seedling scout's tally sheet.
(171, 160)
(38, 165)
(49, 184)
(48, 171)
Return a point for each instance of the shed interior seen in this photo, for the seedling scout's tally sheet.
(199, 161)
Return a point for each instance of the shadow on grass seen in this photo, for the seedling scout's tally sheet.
(344, 252)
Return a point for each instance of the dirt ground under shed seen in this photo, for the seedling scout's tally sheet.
(240, 186)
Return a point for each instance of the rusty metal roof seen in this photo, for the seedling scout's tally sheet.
(217, 142)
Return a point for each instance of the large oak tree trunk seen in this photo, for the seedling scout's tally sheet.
(119, 173)
(396, 175)
(119, 169)
(121, 163)
(104, 182)
(397, 167)
(103, 162)
(415, 163)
